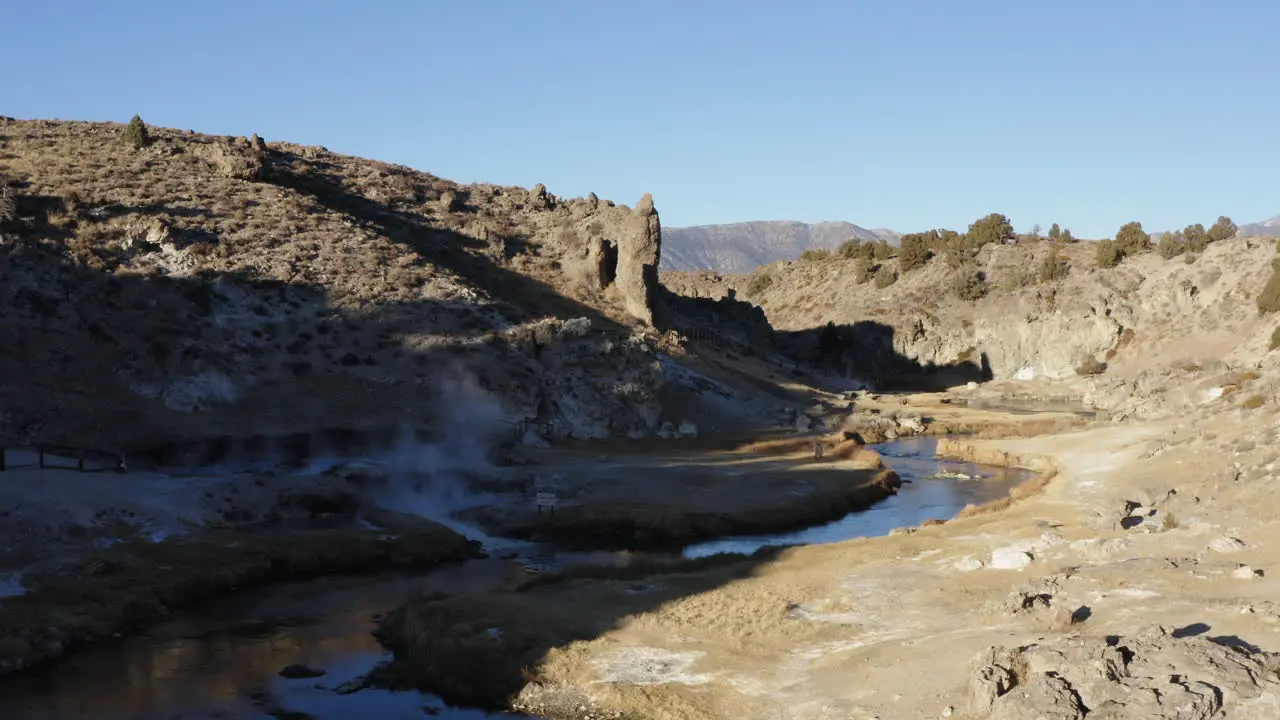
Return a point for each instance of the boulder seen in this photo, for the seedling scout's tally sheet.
(1010, 558)
(687, 429)
(533, 438)
(911, 424)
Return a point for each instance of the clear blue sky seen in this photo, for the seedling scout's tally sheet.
(902, 114)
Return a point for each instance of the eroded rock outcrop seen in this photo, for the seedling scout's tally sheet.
(585, 385)
(1150, 675)
(638, 253)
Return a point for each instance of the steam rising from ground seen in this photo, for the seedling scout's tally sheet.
(430, 479)
(426, 477)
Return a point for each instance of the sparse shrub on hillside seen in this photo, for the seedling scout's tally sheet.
(947, 239)
(1055, 232)
(1190, 258)
(914, 252)
(863, 271)
(759, 284)
(1108, 254)
(850, 249)
(136, 133)
(1278, 245)
(958, 256)
(8, 203)
(1052, 268)
(1172, 244)
(886, 276)
(1269, 299)
(1132, 239)
(1223, 229)
(883, 250)
(815, 255)
(1196, 238)
(1275, 339)
(969, 283)
(1019, 276)
(1254, 402)
(1091, 366)
(1067, 237)
(993, 229)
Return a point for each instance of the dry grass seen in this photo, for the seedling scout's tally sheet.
(780, 446)
(1030, 487)
(667, 524)
(295, 237)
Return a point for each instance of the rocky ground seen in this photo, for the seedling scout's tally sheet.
(215, 295)
(199, 283)
(1165, 328)
(1135, 584)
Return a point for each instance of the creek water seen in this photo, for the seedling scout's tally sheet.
(931, 488)
(224, 661)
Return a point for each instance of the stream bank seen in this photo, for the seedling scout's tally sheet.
(128, 584)
(222, 660)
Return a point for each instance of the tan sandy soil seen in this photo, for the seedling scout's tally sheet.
(886, 627)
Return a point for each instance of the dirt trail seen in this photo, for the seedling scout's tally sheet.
(1143, 525)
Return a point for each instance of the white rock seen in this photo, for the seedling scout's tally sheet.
(1244, 572)
(968, 563)
(667, 430)
(687, 429)
(1025, 373)
(1010, 558)
(1227, 544)
(911, 424)
(532, 438)
(803, 423)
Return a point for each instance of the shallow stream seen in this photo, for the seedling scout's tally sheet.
(224, 661)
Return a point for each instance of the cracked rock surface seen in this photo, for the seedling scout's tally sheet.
(1152, 674)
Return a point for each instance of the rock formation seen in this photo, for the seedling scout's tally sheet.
(639, 250)
(1153, 674)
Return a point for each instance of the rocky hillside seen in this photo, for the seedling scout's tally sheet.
(1148, 336)
(743, 247)
(180, 285)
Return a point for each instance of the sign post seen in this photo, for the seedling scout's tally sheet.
(545, 498)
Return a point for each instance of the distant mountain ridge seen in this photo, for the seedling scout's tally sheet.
(1266, 228)
(743, 247)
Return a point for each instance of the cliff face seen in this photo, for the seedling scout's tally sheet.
(1147, 318)
(204, 285)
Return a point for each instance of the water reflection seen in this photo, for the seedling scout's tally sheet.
(920, 499)
(224, 661)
